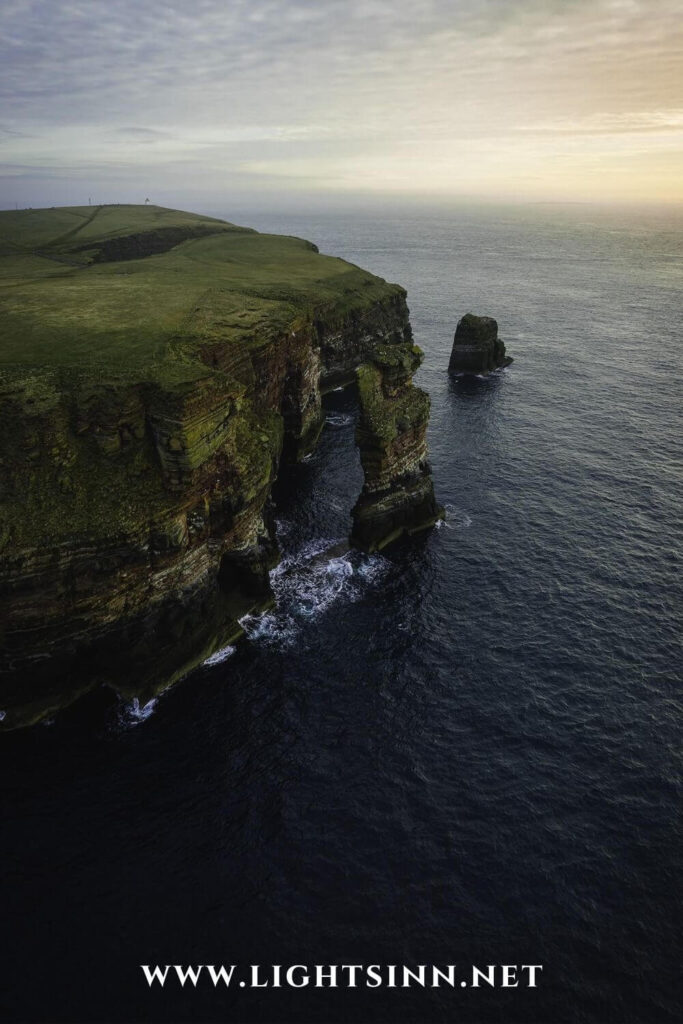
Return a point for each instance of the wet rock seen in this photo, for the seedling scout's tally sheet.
(165, 538)
(398, 493)
(476, 346)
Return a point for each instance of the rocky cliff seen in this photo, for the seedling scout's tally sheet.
(147, 402)
(398, 494)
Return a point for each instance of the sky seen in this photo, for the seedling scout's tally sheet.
(291, 101)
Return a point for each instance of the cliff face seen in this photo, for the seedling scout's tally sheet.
(137, 525)
(398, 494)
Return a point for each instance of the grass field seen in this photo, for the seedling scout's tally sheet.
(64, 226)
(104, 313)
(61, 307)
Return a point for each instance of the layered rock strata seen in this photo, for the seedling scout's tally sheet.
(477, 347)
(398, 493)
(137, 517)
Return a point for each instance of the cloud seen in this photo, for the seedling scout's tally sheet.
(4, 130)
(297, 89)
(630, 123)
(143, 134)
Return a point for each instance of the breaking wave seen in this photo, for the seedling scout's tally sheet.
(132, 712)
(339, 419)
(307, 583)
(220, 656)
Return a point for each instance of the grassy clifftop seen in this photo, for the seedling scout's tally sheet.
(131, 339)
(154, 367)
(140, 289)
(62, 227)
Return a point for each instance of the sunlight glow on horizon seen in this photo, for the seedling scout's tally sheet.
(557, 100)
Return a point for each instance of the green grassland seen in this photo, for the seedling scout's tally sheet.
(61, 226)
(63, 306)
(88, 344)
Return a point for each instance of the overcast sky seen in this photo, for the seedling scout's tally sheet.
(278, 100)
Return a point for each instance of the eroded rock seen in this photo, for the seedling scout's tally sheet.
(137, 523)
(398, 493)
(477, 347)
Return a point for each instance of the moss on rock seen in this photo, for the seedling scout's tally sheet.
(146, 397)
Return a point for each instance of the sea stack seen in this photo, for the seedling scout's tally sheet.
(476, 346)
(398, 494)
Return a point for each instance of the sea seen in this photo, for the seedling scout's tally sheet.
(465, 750)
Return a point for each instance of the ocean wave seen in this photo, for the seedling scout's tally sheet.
(270, 629)
(132, 712)
(339, 419)
(220, 656)
(456, 519)
(307, 583)
(373, 568)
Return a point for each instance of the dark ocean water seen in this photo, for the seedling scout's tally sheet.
(464, 751)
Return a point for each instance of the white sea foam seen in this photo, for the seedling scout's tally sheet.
(133, 712)
(270, 629)
(373, 567)
(220, 656)
(307, 583)
(339, 419)
(456, 519)
(301, 558)
(312, 591)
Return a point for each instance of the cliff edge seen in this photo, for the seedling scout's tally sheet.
(155, 365)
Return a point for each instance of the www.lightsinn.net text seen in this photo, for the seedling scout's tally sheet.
(341, 976)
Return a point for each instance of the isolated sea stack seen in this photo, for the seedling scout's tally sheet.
(477, 347)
